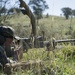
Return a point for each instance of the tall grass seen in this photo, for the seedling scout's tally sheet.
(54, 26)
(59, 62)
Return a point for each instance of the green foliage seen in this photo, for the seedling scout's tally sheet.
(59, 62)
(11, 10)
(67, 12)
(69, 52)
(73, 13)
(38, 7)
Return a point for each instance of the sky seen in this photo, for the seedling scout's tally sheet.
(55, 6)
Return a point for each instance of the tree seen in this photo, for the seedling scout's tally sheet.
(32, 18)
(73, 13)
(6, 7)
(38, 7)
(67, 12)
(47, 15)
(11, 10)
(2, 7)
(3, 11)
(30, 15)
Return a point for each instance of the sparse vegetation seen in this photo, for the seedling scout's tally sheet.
(56, 62)
(54, 26)
(59, 62)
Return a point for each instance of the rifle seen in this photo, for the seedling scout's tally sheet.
(54, 41)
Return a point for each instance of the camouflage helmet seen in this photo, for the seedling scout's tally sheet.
(7, 31)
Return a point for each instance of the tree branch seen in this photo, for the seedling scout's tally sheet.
(30, 15)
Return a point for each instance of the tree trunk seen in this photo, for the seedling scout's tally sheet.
(30, 15)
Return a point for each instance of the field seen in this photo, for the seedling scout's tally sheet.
(53, 26)
(56, 62)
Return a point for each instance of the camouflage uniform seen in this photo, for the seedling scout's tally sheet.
(5, 32)
(3, 57)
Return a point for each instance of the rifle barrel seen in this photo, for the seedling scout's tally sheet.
(67, 40)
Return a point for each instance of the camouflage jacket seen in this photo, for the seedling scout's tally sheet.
(3, 57)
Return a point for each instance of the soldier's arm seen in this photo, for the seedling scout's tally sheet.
(3, 59)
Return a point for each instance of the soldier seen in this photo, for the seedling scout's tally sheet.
(6, 38)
